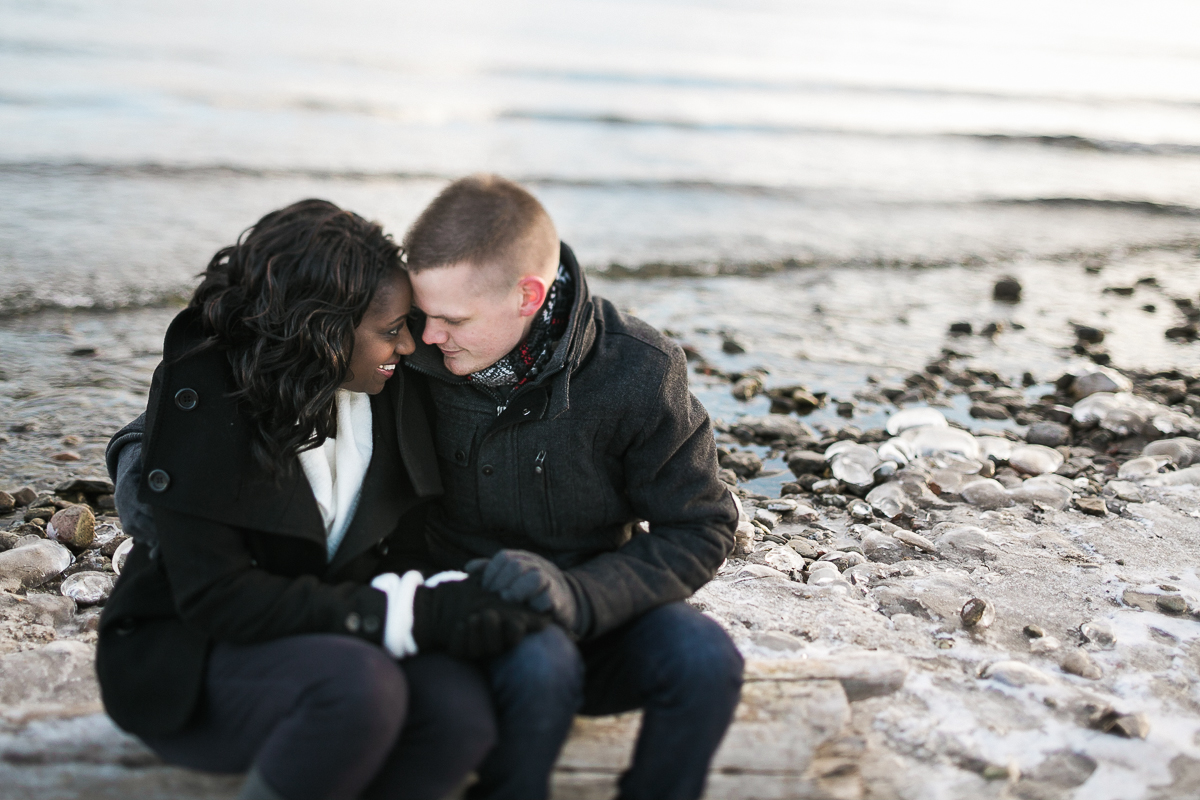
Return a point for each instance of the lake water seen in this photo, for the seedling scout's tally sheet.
(876, 164)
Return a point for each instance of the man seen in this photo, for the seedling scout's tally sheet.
(581, 478)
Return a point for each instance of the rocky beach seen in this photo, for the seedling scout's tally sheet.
(992, 592)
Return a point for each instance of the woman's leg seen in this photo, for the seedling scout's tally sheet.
(315, 716)
(449, 729)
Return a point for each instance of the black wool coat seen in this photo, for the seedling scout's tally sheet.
(607, 436)
(240, 556)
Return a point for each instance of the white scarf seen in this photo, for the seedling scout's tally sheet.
(336, 469)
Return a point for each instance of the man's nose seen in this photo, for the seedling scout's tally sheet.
(434, 333)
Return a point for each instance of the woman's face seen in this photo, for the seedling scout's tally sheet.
(382, 336)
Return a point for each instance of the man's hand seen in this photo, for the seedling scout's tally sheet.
(465, 620)
(523, 577)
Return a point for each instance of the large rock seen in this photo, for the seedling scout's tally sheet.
(74, 526)
(1048, 434)
(60, 674)
(32, 565)
(776, 427)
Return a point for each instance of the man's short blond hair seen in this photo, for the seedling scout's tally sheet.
(485, 221)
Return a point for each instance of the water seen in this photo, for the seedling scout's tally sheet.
(833, 182)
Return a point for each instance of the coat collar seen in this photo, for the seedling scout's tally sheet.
(572, 349)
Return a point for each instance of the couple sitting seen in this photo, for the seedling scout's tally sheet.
(371, 559)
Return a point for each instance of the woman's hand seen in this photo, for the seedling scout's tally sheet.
(465, 620)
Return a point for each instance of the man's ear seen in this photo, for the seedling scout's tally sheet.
(533, 294)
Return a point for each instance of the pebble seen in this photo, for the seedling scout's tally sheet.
(1049, 434)
(915, 540)
(768, 518)
(803, 546)
(988, 411)
(7, 502)
(806, 462)
(1015, 673)
(1098, 632)
(24, 496)
(1042, 489)
(88, 588)
(74, 526)
(977, 614)
(1172, 604)
(1007, 290)
(1035, 459)
(875, 543)
(1137, 469)
(66, 455)
(782, 506)
(986, 493)
(861, 510)
(85, 485)
(1033, 631)
(843, 560)
(1092, 505)
(743, 539)
(828, 486)
(744, 463)
(835, 500)
(1124, 490)
(890, 499)
(775, 428)
(1099, 379)
(30, 565)
(1078, 662)
(1044, 645)
(1182, 451)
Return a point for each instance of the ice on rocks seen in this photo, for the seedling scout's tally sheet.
(1126, 414)
(122, 552)
(928, 441)
(915, 418)
(994, 447)
(88, 588)
(1099, 379)
(890, 500)
(897, 451)
(853, 464)
(1035, 459)
(780, 557)
(1016, 674)
(25, 567)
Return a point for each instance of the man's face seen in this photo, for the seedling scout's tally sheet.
(472, 319)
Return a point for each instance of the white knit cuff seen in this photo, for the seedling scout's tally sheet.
(398, 629)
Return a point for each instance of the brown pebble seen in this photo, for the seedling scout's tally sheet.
(1078, 662)
(24, 496)
(74, 526)
(1172, 604)
(7, 502)
(1092, 505)
(1034, 631)
(66, 455)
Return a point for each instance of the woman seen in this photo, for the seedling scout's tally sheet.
(286, 462)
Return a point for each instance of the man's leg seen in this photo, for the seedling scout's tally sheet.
(685, 672)
(537, 688)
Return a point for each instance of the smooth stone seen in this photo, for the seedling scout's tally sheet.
(835, 500)
(25, 567)
(781, 558)
(896, 451)
(986, 493)
(1093, 506)
(1182, 451)
(7, 502)
(803, 547)
(1099, 379)
(745, 388)
(1140, 468)
(777, 640)
(744, 463)
(24, 496)
(74, 526)
(1016, 674)
(967, 540)
(1172, 604)
(853, 464)
(87, 588)
(768, 518)
(983, 410)
(85, 485)
(915, 540)
(843, 560)
(1048, 434)
(1035, 459)
(876, 542)
(806, 462)
(928, 441)
(751, 571)
(777, 427)
(829, 486)
(1044, 490)
(1044, 645)
(1124, 490)
(915, 418)
(782, 506)
(1078, 662)
(805, 513)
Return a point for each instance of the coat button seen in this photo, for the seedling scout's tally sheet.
(460, 456)
(186, 399)
(158, 480)
(383, 548)
(488, 469)
(353, 622)
(370, 624)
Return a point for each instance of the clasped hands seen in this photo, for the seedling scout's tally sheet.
(503, 599)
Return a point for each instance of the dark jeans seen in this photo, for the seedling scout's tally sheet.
(325, 716)
(673, 661)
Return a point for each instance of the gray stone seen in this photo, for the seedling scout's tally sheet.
(24, 496)
(1035, 459)
(776, 427)
(986, 493)
(59, 673)
(803, 546)
(1124, 490)
(914, 540)
(85, 485)
(988, 411)
(1015, 673)
(1099, 379)
(744, 463)
(806, 462)
(1048, 434)
(1182, 451)
(1078, 662)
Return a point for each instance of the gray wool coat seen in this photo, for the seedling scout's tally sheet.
(607, 436)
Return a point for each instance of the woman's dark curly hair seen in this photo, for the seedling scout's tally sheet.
(283, 303)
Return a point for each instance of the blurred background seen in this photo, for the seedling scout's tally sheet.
(855, 174)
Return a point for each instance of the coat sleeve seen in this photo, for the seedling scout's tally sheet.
(671, 482)
(219, 590)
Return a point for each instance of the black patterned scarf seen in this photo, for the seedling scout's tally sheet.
(526, 361)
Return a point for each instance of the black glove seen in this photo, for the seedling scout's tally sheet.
(467, 621)
(523, 577)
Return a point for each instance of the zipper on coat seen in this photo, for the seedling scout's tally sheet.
(539, 469)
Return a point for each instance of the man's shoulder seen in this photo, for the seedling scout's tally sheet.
(633, 336)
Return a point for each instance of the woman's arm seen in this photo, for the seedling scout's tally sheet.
(220, 590)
